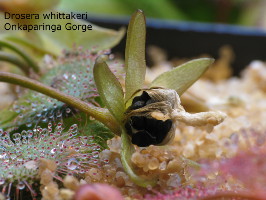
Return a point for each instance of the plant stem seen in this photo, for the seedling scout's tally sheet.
(26, 57)
(4, 56)
(127, 149)
(100, 114)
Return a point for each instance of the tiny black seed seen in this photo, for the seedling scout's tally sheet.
(138, 98)
(146, 131)
(138, 122)
(165, 127)
(143, 139)
(137, 105)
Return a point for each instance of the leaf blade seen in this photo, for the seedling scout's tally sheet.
(109, 88)
(135, 53)
(182, 77)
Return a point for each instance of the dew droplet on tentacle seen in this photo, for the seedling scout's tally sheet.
(21, 185)
(72, 164)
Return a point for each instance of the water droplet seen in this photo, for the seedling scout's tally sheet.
(44, 132)
(106, 161)
(73, 130)
(24, 141)
(53, 151)
(72, 164)
(24, 134)
(65, 76)
(21, 185)
(13, 156)
(16, 108)
(10, 175)
(68, 110)
(29, 124)
(16, 136)
(111, 56)
(44, 108)
(58, 114)
(50, 125)
(44, 119)
(95, 154)
(2, 181)
(30, 133)
(73, 77)
(3, 156)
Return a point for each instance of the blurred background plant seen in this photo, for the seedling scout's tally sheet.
(242, 12)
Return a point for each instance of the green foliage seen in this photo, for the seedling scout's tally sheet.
(16, 59)
(127, 149)
(7, 116)
(183, 76)
(99, 131)
(135, 53)
(165, 9)
(70, 79)
(110, 89)
(39, 43)
(179, 79)
(71, 74)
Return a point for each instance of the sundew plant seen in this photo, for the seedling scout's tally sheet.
(73, 104)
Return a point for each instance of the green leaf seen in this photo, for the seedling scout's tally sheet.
(126, 154)
(73, 75)
(100, 132)
(109, 88)
(15, 60)
(30, 44)
(89, 127)
(135, 53)
(96, 39)
(183, 76)
(6, 117)
(31, 63)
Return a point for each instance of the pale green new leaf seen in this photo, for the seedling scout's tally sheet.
(183, 76)
(126, 155)
(135, 53)
(109, 88)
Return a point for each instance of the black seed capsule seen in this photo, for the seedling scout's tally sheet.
(140, 101)
(144, 129)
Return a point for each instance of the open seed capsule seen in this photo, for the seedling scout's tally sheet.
(148, 119)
